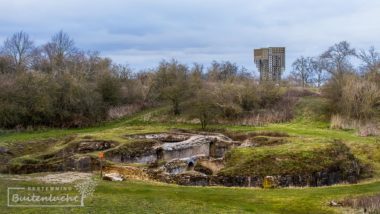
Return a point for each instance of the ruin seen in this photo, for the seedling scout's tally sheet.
(203, 158)
(171, 146)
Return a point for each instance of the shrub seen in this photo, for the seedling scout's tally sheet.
(353, 97)
(203, 107)
(171, 83)
(370, 204)
(110, 89)
(359, 98)
(341, 122)
(34, 99)
(269, 94)
(364, 127)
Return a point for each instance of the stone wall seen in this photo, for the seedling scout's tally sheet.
(195, 150)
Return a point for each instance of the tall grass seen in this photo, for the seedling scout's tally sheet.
(369, 204)
(364, 128)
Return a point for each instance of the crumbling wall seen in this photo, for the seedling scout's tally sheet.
(195, 150)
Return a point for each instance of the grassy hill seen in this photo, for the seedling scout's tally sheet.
(309, 129)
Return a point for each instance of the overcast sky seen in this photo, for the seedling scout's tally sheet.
(141, 32)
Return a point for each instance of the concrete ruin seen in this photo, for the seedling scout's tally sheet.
(185, 156)
(172, 146)
(191, 158)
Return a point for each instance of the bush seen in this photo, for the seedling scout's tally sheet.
(340, 122)
(354, 97)
(172, 84)
(25, 100)
(203, 107)
(109, 88)
(269, 94)
(248, 96)
(365, 128)
(34, 99)
(226, 96)
(360, 98)
(370, 204)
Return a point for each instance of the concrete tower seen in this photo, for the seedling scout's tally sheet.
(270, 62)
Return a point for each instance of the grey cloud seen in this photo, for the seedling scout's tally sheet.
(142, 32)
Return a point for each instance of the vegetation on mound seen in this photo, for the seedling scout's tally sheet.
(133, 149)
(289, 159)
(312, 108)
(267, 141)
(306, 125)
(243, 136)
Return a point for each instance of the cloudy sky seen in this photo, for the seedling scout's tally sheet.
(141, 32)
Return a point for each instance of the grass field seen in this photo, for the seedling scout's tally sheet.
(148, 197)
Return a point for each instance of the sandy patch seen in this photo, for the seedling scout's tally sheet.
(58, 178)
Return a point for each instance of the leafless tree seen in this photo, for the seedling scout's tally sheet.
(19, 47)
(223, 71)
(319, 75)
(171, 82)
(371, 60)
(302, 70)
(203, 106)
(336, 59)
(197, 69)
(123, 72)
(60, 48)
(64, 44)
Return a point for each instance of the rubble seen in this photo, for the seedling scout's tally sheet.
(113, 177)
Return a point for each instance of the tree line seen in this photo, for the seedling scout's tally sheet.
(58, 85)
(353, 92)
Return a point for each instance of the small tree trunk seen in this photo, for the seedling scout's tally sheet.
(203, 124)
(176, 107)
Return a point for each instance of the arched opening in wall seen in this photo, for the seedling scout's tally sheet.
(160, 153)
(212, 149)
(190, 166)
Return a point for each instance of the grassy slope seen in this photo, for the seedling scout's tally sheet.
(146, 197)
(140, 197)
(295, 157)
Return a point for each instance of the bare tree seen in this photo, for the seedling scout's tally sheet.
(59, 49)
(171, 82)
(197, 70)
(319, 76)
(203, 107)
(64, 44)
(302, 70)
(223, 71)
(123, 72)
(196, 76)
(336, 59)
(371, 60)
(19, 47)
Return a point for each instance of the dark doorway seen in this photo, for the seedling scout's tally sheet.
(190, 166)
(160, 153)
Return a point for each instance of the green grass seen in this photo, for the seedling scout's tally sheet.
(308, 124)
(147, 197)
(293, 158)
(142, 197)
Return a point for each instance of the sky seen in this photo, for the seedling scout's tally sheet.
(141, 33)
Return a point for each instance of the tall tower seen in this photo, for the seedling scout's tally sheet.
(270, 62)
